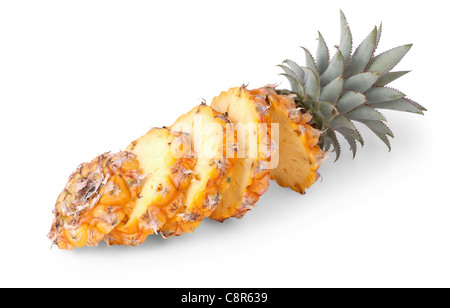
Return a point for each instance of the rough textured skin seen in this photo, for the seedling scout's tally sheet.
(97, 197)
(299, 153)
(165, 183)
(251, 171)
(164, 158)
(209, 135)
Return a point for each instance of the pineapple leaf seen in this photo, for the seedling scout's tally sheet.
(354, 133)
(379, 32)
(287, 70)
(382, 94)
(416, 104)
(350, 139)
(296, 68)
(325, 110)
(349, 87)
(386, 61)
(365, 112)
(326, 144)
(295, 85)
(361, 82)
(362, 55)
(334, 70)
(381, 130)
(342, 121)
(322, 55)
(390, 77)
(310, 62)
(346, 42)
(332, 91)
(349, 101)
(401, 104)
(312, 85)
(330, 136)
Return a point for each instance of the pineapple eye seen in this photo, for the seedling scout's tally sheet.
(90, 192)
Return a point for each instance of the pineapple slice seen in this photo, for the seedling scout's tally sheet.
(247, 110)
(96, 198)
(163, 158)
(210, 136)
(298, 151)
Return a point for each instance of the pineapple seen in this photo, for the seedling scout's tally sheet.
(251, 171)
(210, 136)
(165, 160)
(97, 197)
(299, 154)
(216, 161)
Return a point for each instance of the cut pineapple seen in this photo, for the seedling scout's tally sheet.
(170, 179)
(247, 110)
(163, 157)
(209, 134)
(97, 197)
(299, 153)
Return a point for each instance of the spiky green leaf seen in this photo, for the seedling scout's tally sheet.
(310, 62)
(390, 77)
(332, 91)
(350, 139)
(350, 88)
(401, 104)
(331, 137)
(365, 112)
(362, 55)
(326, 144)
(379, 32)
(322, 55)
(296, 86)
(349, 101)
(361, 82)
(325, 110)
(312, 85)
(334, 70)
(381, 130)
(382, 94)
(296, 68)
(346, 42)
(341, 121)
(386, 61)
(354, 133)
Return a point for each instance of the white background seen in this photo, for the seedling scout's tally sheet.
(79, 78)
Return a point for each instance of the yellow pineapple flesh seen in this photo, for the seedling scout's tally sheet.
(163, 159)
(247, 110)
(299, 153)
(208, 133)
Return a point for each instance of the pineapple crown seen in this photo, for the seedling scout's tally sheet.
(349, 87)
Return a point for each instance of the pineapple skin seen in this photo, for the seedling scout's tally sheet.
(212, 174)
(251, 176)
(156, 205)
(300, 155)
(97, 197)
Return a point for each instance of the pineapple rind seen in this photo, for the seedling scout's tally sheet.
(300, 155)
(212, 171)
(249, 180)
(163, 156)
(97, 197)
